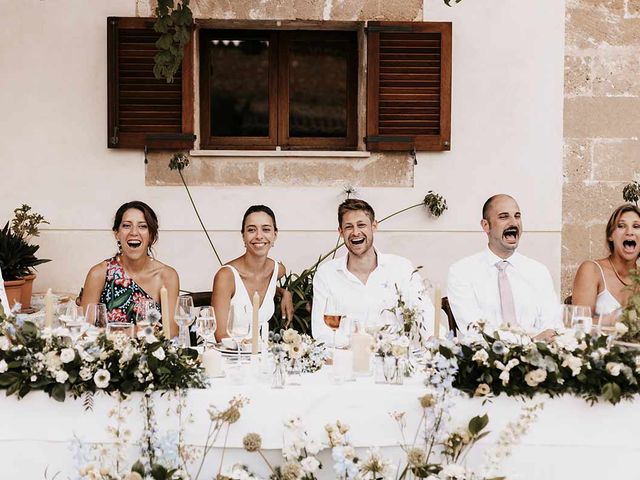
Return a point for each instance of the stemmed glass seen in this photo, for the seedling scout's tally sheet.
(147, 313)
(332, 317)
(96, 314)
(206, 326)
(184, 317)
(238, 327)
(74, 320)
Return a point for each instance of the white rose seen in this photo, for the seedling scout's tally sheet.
(481, 356)
(67, 355)
(159, 354)
(5, 344)
(3, 366)
(85, 373)
(504, 376)
(613, 368)
(101, 378)
(310, 464)
(574, 363)
(621, 328)
(61, 376)
(535, 377)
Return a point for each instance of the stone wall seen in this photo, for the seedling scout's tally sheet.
(601, 122)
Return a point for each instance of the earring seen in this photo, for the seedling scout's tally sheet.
(119, 246)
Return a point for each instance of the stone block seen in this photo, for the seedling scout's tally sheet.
(589, 203)
(577, 76)
(617, 76)
(384, 170)
(593, 27)
(567, 274)
(575, 244)
(632, 9)
(202, 171)
(577, 160)
(608, 117)
(616, 160)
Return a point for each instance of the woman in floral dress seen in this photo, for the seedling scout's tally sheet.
(132, 275)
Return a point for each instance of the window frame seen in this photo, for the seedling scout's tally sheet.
(279, 137)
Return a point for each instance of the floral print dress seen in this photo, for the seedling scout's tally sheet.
(121, 294)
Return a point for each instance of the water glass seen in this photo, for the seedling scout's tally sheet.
(147, 313)
(96, 314)
(184, 317)
(119, 326)
(567, 315)
(74, 320)
(206, 326)
(581, 318)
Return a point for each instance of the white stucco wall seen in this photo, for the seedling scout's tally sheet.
(506, 137)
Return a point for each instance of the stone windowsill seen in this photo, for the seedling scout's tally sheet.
(281, 153)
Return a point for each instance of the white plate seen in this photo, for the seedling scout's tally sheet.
(246, 349)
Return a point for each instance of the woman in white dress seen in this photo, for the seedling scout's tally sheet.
(237, 281)
(602, 283)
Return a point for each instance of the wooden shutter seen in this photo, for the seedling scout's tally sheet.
(408, 86)
(142, 110)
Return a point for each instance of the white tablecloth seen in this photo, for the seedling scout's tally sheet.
(571, 439)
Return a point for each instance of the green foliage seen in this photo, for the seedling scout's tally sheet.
(17, 257)
(631, 312)
(435, 202)
(132, 363)
(174, 23)
(25, 224)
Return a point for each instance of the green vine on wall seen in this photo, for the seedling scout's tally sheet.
(174, 23)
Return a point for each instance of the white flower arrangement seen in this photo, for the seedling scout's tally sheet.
(291, 346)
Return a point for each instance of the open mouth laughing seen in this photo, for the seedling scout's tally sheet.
(629, 246)
(357, 241)
(511, 234)
(134, 244)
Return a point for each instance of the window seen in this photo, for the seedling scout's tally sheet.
(292, 89)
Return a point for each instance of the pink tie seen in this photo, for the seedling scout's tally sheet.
(506, 296)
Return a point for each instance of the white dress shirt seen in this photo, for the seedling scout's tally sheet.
(473, 292)
(333, 280)
(3, 297)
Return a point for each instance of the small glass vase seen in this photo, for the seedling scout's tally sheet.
(294, 371)
(279, 374)
(393, 370)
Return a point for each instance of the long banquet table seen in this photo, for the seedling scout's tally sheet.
(570, 439)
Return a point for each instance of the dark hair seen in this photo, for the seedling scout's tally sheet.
(487, 205)
(354, 205)
(256, 209)
(615, 217)
(149, 216)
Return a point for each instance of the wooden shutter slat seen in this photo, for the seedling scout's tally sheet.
(143, 110)
(408, 86)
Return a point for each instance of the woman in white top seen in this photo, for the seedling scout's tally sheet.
(602, 284)
(237, 281)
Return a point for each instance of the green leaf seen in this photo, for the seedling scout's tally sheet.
(138, 467)
(8, 378)
(58, 392)
(158, 472)
(477, 423)
(611, 392)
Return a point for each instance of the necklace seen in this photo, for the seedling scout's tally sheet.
(617, 276)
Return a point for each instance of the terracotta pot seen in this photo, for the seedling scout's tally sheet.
(27, 290)
(14, 290)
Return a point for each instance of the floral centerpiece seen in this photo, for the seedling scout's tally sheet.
(290, 346)
(630, 318)
(34, 359)
(576, 363)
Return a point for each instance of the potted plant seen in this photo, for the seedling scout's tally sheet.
(17, 255)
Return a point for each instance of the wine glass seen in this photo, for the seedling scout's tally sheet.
(74, 321)
(238, 327)
(206, 326)
(184, 317)
(581, 319)
(96, 314)
(567, 315)
(332, 317)
(147, 313)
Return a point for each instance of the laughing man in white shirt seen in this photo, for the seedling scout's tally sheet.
(363, 282)
(499, 285)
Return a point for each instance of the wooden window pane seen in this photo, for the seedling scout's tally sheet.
(239, 86)
(318, 89)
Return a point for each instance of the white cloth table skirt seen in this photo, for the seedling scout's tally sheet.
(570, 439)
